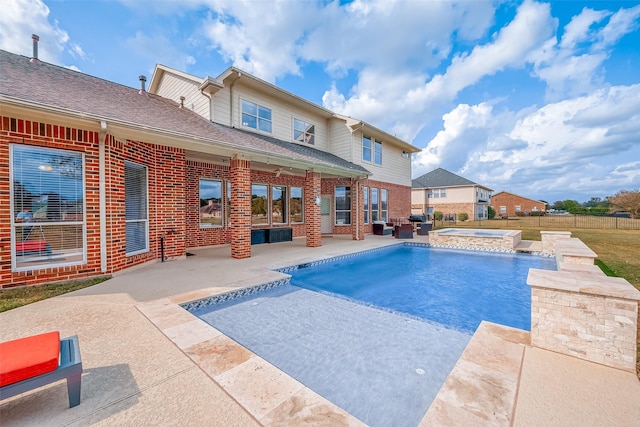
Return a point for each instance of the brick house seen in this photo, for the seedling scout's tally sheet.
(99, 177)
(509, 204)
(451, 194)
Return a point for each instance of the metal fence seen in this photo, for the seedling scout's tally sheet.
(549, 221)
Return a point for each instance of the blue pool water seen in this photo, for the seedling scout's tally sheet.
(457, 289)
(376, 350)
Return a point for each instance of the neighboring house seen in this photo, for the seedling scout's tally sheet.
(114, 175)
(451, 194)
(509, 204)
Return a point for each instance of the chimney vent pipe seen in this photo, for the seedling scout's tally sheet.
(35, 38)
(182, 98)
(143, 80)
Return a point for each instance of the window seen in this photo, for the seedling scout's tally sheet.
(211, 203)
(436, 193)
(366, 149)
(384, 210)
(259, 204)
(503, 210)
(296, 204)
(278, 204)
(136, 212)
(303, 131)
(365, 193)
(518, 209)
(48, 208)
(443, 192)
(377, 154)
(343, 205)
(256, 116)
(374, 204)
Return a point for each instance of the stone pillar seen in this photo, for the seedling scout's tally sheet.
(312, 190)
(549, 240)
(240, 171)
(585, 315)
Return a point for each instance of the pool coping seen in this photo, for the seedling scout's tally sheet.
(271, 396)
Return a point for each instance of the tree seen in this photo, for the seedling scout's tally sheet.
(626, 200)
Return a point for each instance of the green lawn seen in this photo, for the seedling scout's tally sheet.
(12, 298)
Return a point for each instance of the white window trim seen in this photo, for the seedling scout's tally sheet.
(268, 204)
(14, 264)
(301, 204)
(257, 128)
(222, 204)
(146, 237)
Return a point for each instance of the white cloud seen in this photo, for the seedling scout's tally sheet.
(509, 48)
(21, 18)
(571, 146)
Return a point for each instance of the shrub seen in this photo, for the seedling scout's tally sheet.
(463, 216)
(437, 216)
(491, 213)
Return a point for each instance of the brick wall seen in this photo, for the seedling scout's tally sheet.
(165, 170)
(510, 201)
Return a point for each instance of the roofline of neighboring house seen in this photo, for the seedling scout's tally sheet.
(452, 186)
(517, 195)
(218, 83)
(123, 130)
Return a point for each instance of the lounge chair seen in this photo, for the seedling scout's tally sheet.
(35, 361)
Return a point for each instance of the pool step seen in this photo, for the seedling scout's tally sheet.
(529, 246)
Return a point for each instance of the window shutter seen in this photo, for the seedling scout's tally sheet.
(136, 208)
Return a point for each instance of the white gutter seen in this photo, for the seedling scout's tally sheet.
(102, 196)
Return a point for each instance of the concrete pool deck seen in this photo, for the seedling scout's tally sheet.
(134, 374)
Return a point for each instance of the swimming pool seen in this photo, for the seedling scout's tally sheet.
(455, 288)
(382, 365)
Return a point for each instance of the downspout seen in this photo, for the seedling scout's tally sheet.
(102, 196)
(231, 97)
(357, 209)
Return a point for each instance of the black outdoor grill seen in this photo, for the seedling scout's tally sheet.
(417, 218)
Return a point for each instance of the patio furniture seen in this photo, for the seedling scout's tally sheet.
(404, 231)
(424, 228)
(35, 361)
(381, 228)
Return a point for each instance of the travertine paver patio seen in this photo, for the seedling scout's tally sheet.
(135, 374)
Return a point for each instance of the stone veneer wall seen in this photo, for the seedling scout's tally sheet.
(549, 240)
(507, 242)
(580, 312)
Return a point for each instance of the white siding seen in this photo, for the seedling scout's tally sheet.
(282, 115)
(221, 107)
(173, 87)
(394, 169)
(339, 142)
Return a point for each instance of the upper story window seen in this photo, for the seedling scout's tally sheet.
(377, 152)
(366, 149)
(303, 131)
(436, 192)
(371, 149)
(256, 116)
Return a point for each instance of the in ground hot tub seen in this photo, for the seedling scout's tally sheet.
(476, 238)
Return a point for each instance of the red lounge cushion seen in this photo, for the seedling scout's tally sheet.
(31, 246)
(28, 357)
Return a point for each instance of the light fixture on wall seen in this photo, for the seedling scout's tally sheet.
(318, 201)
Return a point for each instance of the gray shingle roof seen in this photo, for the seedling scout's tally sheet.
(83, 95)
(440, 178)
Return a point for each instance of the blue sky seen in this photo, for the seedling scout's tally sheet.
(537, 98)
